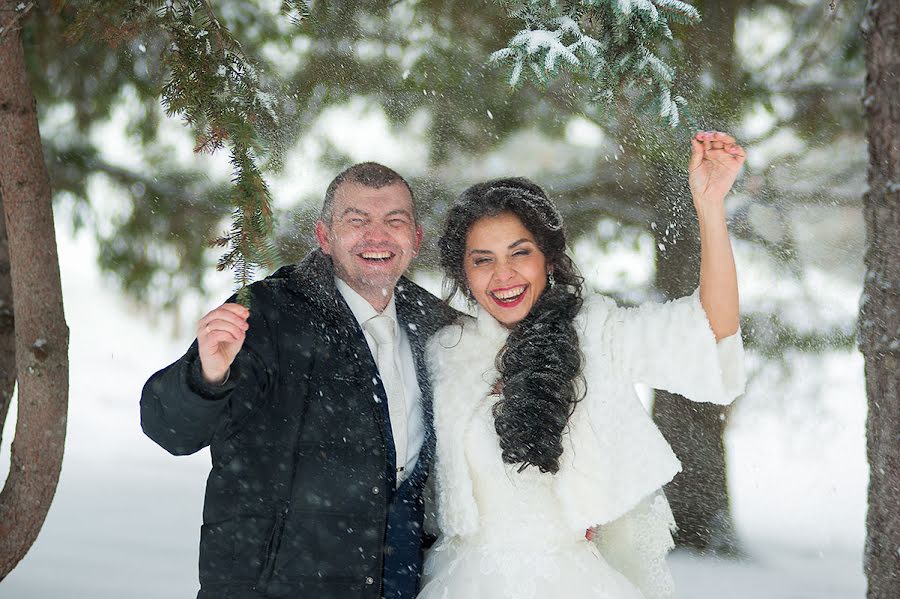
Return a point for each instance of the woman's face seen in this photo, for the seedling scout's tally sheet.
(504, 267)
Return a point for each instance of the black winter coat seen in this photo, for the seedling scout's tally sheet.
(301, 481)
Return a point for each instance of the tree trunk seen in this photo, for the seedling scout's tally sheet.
(879, 317)
(41, 334)
(7, 328)
(699, 494)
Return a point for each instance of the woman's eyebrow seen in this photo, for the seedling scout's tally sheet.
(480, 252)
(520, 242)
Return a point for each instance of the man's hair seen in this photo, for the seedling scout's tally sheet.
(370, 174)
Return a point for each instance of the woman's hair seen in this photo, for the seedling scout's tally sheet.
(540, 365)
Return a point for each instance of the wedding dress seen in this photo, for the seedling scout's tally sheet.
(522, 535)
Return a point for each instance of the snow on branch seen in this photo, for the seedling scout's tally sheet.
(610, 43)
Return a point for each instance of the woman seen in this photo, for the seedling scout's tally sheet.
(541, 436)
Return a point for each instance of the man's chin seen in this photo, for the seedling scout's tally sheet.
(380, 282)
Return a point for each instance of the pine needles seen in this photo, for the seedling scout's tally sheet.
(610, 42)
(219, 92)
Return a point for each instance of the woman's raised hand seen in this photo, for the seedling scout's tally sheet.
(715, 161)
(220, 335)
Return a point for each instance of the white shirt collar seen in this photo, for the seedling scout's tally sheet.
(361, 308)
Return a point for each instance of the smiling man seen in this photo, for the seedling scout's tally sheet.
(316, 409)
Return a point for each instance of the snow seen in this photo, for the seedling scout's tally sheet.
(126, 517)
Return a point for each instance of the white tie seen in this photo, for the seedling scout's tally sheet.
(383, 331)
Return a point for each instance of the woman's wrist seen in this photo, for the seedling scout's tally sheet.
(710, 211)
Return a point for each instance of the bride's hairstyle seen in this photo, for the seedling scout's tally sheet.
(541, 364)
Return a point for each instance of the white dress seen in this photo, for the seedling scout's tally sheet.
(522, 535)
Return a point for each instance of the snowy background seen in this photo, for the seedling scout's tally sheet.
(125, 521)
(126, 517)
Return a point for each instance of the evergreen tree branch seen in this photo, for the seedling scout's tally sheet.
(21, 11)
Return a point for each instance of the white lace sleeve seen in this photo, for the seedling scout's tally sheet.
(637, 543)
(671, 346)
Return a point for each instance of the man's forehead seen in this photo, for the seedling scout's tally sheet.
(358, 197)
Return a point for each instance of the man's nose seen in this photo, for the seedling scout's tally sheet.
(376, 232)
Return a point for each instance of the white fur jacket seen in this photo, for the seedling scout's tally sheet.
(615, 461)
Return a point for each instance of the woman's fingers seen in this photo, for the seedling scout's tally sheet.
(714, 140)
(711, 145)
(723, 138)
(718, 154)
(696, 154)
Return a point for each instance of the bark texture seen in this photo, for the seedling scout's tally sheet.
(879, 333)
(7, 329)
(699, 493)
(41, 334)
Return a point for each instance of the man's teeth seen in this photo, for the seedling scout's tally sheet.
(507, 294)
(376, 255)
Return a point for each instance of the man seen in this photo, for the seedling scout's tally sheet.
(317, 411)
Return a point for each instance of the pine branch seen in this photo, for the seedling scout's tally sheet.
(608, 43)
(295, 10)
(218, 91)
(21, 10)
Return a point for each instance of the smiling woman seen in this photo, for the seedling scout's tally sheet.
(502, 243)
(505, 277)
(543, 377)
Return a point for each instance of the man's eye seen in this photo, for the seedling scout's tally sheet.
(396, 222)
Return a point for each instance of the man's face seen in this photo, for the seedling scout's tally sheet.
(372, 237)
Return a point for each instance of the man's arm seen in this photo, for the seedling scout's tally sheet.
(184, 405)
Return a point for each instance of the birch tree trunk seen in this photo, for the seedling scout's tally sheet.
(41, 334)
(879, 316)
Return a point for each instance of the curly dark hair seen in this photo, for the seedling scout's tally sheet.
(541, 363)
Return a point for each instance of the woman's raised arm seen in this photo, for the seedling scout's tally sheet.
(715, 161)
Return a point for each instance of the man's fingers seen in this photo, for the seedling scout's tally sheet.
(226, 333)
(236, 309)
(221, 313)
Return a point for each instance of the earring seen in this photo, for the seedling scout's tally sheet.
(551, 281)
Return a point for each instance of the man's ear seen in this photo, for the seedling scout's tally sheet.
(322, 236)
(418, 240)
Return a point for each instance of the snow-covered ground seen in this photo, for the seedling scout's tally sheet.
(126, 515)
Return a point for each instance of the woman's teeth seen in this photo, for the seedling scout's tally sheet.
(507, 295)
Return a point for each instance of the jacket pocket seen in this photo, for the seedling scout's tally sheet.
(271, 553)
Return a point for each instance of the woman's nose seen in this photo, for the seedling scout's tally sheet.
(503, 271)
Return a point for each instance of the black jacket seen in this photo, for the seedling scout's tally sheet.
(302, 476)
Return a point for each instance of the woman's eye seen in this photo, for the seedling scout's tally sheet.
(521, 253)
(480, 261)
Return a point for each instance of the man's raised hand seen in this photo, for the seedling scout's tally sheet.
(220, 335)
